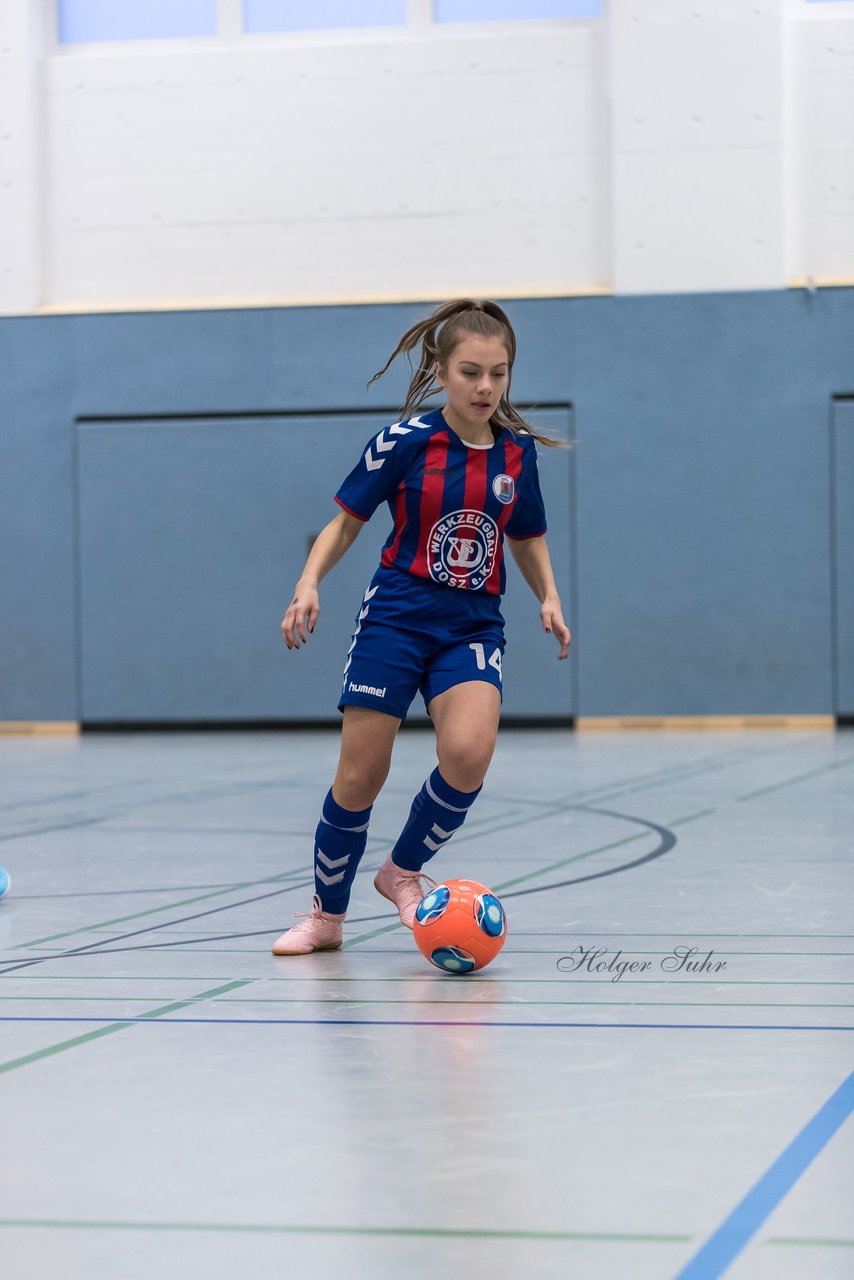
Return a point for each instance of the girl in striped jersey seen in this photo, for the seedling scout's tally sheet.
(457, 480)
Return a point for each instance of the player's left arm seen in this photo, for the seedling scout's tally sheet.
(533, 559)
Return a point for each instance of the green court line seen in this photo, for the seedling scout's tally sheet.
(123, 977)
(671, 773)
(353, 1001)
(153, 911)
(260, 1228)
(801, 777)
(366, 937)
(811, 1240)
(115, 1026)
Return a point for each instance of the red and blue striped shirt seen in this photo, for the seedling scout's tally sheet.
(452, 503)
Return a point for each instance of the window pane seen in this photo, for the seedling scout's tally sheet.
(502, 10)
(297, 15)
(84, 21)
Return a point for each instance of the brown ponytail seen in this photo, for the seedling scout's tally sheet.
(439, 335)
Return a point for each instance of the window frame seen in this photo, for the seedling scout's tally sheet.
(230, 32)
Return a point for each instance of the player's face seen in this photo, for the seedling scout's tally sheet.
(475, 379)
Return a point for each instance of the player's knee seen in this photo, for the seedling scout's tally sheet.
(357, 785)
(463, 764)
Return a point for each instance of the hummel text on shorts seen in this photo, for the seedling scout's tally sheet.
(365, 688)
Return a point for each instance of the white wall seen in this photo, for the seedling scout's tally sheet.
(22, 39)
(681, 145)
(330, 170)
(697, 145)
(821, 62)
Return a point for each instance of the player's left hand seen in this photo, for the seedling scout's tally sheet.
(552, 620)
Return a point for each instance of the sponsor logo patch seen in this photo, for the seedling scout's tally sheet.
(461, 549)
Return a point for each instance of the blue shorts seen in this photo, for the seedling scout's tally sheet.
(413, 634)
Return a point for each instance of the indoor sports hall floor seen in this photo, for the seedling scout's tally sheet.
(177, 1102)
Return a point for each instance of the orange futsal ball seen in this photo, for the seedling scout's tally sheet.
(460, 926)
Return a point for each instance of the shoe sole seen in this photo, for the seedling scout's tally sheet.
(328, 946)
(388, 898)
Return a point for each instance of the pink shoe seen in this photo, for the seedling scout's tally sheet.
(318, 931)
(404, 888)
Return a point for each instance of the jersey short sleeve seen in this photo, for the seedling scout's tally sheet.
(373, 480)
(529, 513)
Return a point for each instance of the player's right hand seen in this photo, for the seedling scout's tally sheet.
(300, 616)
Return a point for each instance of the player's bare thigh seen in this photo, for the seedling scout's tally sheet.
(466, 721)
(367, 741)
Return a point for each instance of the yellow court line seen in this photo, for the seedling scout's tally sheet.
(57, 727)
(597, 723)
(585, 724)
(278, 302)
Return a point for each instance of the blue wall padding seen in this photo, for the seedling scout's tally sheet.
(700, 489)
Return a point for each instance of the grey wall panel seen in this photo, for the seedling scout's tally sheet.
(703, 539)
(235, 361)
(535, 683)
(38, 640)
(192, 535)
(842, 428)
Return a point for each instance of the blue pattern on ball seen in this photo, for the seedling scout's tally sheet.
(453, 960)
(489, 914)
(5, 881)
(432, 906)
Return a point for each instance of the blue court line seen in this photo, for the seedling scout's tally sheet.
(748, 1216)
(431, 1022)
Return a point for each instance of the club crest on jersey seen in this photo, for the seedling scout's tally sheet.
(461, 549)
(503, 488)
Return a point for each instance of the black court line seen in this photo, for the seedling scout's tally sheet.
(701, 766)
(667, 841)
(124, 808)
(93, 948)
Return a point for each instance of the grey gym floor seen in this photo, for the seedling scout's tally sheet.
(177, 1102)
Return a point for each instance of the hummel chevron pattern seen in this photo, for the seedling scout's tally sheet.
(381, 445)
(435, 845)
(327, 862)
(369, 595)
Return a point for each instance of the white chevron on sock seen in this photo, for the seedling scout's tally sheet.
(327, 862)
(329, 879)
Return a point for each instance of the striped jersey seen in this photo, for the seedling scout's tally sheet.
(451, 502)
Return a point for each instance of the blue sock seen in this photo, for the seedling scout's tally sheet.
(339, 843)
(437, 812)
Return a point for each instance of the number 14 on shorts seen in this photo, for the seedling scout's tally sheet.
(494, 661)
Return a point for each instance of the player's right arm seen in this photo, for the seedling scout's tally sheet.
(329, 546)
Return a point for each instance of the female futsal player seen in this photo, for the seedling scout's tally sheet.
(457, 480)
